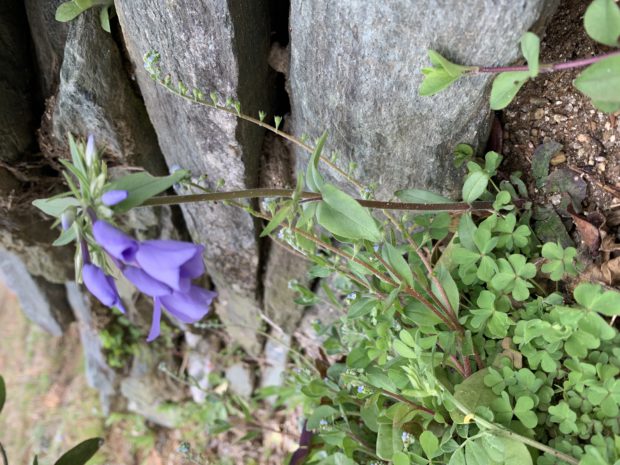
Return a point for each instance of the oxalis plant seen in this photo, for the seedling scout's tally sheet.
(600, 81)
(454, 345)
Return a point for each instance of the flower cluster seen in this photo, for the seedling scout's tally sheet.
(161, 269)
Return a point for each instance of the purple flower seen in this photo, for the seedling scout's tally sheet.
(118, 244)
(91, 151)
(188, 307)
(162, 269)
(111, 198)
(101, 286)
(174, 263)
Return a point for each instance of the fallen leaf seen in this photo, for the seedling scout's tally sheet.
(540, 160)
(611, 271)
(590, 236)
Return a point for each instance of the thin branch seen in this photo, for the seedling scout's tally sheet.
(547, 67)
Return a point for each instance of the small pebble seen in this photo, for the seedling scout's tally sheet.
(559, 118)
(583, 138)
(600, 167)
(539, 113)
(534, 132)
(558, 159)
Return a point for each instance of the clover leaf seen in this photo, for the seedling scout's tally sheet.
(560, 260)
(564, 416)
(513, 275)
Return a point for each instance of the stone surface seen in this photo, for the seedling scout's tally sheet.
(276, 356)
(42, 302)
(16, 78)
(240, 380)
(199, 365)
(48, 37)
(282, 267)
(98, 373)
(356, 68)
(95, 97)
(212, 47)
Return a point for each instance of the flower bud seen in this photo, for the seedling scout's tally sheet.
(91, 151)
(67, 218)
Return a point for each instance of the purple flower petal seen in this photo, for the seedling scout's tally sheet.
(114, 241)
(155, 324)
(145, 283)
(91, 151)
(101, 286)
(171, 262)
(191, 306)
(113, 197)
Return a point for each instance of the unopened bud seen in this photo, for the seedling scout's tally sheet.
(91, 151)
(67, 218)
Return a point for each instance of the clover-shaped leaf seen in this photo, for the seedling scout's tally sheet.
(560, 261)
(513, 275)
(594, 298)
(523, 411)
(565, 417)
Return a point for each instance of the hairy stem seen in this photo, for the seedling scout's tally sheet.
(313, 196)
(547, 67)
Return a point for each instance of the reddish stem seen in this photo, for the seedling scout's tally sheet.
(548, 67)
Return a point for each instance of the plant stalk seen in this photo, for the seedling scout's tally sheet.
(547, 67)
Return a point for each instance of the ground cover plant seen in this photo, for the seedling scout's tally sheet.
(463, 338)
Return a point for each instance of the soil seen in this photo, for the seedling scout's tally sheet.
(549, 108)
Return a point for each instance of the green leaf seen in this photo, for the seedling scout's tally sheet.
(35, 461)
(435, 80)
(362, 307)
(320, 413)
(403, 350)
(466, 231)
(385, 443)
(421, 196)
(523, 411)
(540, 160)
(473, 393)
(400, 458)
(67, 236)
(601, 82)
(515, 452)
(429, 443)
(475, 185)
(314, 180)
(602, 22)
(341, 214)
(594, 298)
(2, 393)
(530, 48)
(277, 219)
(447, 282)
(104, 19)
(55, 206)
(451, 68)
(457, 458)
(505, 87)
(398, 263)
(67, 11)
(81, 453)
(142, 186)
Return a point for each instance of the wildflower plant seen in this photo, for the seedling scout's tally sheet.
(449, 347)
(600, 81)
(161, 269)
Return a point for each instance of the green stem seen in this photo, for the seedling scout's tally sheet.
(313, 196)
(499, 430)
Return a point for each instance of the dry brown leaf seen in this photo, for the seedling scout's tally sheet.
(611, 271)
(589, 233)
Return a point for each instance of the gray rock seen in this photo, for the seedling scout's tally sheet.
(42, 302)
(356, 68)
(283, 266)
(240, 380)
(199, 365)
(48, 37)
(212, 47)
(276, 356)
(17, 121)
(95, 97)
(147, 390)
(99, 374)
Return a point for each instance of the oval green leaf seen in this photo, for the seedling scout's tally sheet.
(530, 48)
(475, 185)
(81, 453)
(601, 82)
(602, 22)
(506, 86)
(341, 214)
